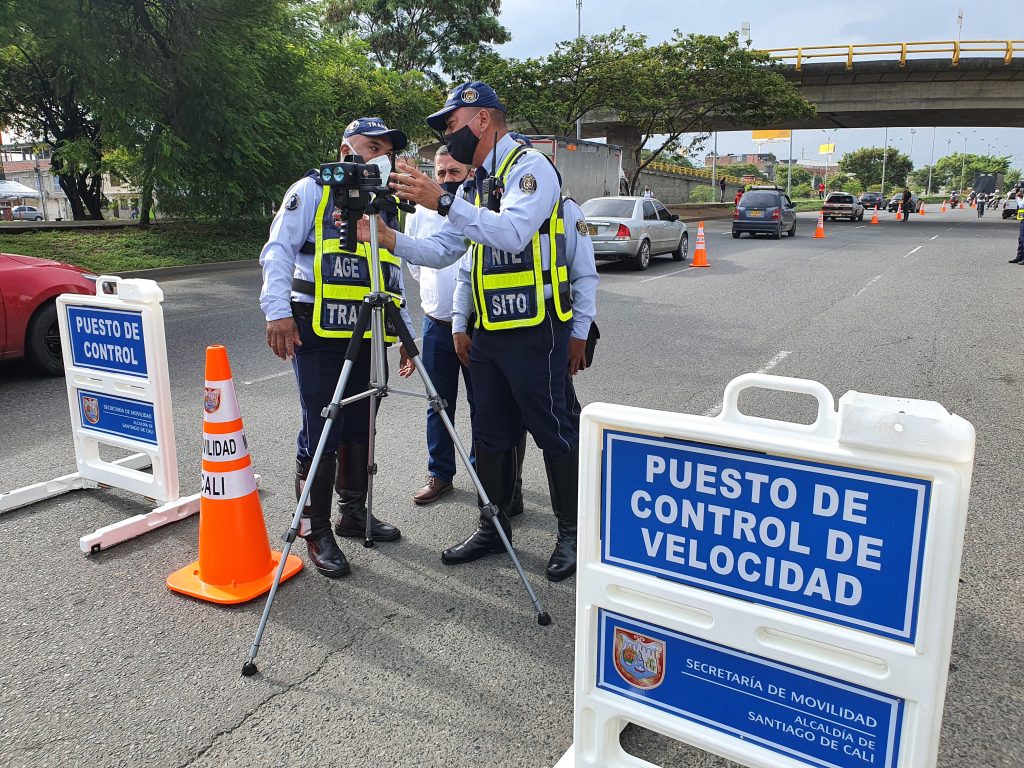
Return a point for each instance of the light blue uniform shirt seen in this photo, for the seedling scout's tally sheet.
(524, 208)
(281, 259)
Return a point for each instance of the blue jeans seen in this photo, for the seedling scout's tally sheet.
(443, 367)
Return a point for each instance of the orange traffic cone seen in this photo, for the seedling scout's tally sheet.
(235, 562)
(820, 231)
(874, 216)
(899, 213)
(943, 208)
(700, 253)
(920, 208)
(961, 205)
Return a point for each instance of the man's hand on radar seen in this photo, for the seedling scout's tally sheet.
(406, 366)
(283, 337)
(462, 344)
(385, 235)
(577, 355)
(416, 187)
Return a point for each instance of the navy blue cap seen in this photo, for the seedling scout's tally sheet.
(375, 126)
(520, 138)
(475, 94)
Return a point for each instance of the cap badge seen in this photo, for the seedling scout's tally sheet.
(352, 126)
(470, 95)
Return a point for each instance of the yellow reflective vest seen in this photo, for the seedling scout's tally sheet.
(342, 278)
(508, 288)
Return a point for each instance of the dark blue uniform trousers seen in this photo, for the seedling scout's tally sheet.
(317, 365)
(439, 358)
(1020, 238)
(519, 379)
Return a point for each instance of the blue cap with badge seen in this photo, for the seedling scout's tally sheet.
(375, 126)
(474, 94)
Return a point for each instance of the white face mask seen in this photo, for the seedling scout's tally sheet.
(384, 163)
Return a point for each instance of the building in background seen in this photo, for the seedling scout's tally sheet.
(765, 162)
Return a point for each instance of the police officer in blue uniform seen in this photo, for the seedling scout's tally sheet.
(532, 308)
(311, 293)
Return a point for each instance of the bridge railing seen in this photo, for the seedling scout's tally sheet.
(900, 52)
(697, 173)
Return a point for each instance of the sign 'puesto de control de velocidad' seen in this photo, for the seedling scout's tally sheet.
(778, 594)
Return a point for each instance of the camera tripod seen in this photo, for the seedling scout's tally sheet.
(378, 308)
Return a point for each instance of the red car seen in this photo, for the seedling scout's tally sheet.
(28, 311)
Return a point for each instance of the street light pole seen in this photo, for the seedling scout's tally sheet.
(789, 168)
(885, 153)
(913, 131)
(931, 165)
(714, 166)
(39, 188)
(579, 34)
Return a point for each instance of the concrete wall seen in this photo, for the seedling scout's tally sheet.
(672, 188)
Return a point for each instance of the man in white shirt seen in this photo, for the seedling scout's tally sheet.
(437, 288)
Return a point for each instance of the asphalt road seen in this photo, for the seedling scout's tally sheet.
(408, 662)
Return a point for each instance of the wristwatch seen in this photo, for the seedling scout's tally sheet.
(444, 203)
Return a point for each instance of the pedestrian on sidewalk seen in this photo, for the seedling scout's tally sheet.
(721, 186)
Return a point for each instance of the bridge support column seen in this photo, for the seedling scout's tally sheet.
(629, 138)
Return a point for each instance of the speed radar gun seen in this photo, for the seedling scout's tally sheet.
(359, 190)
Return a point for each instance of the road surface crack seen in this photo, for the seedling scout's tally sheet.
(280, 692)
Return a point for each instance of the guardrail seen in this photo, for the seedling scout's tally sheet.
(698, 173)
(955, 49)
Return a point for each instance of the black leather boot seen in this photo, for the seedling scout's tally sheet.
(315, 526)
(351, 483)
(563, 483)
(496, 471)
(516, 506)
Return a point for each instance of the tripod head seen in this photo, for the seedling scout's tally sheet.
(359, 190)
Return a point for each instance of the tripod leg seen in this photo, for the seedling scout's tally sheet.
(331, 412)
(488, 508)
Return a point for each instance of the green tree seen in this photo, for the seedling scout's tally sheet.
(43, 96)
(702, 193)
(866, 164)
(742, 169)
(685, 86)
(800, 175)
(1013, 176)
(418, 35)
(958, 170)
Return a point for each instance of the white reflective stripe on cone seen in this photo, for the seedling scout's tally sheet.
(227, 447)
(229, 485)
(219, 401)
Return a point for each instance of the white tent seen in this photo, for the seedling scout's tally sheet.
(12, 190)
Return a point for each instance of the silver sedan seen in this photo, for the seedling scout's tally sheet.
(634, 229)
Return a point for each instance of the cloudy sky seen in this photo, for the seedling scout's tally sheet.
(536, 25)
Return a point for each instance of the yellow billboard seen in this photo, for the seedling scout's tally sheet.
(826, 149)
(770, 135)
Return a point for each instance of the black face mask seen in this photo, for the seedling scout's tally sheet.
(462, 144)
(453, 187)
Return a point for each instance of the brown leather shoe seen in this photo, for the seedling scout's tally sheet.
(432, 491)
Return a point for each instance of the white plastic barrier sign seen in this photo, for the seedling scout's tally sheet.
(778, 594)
(115, 365)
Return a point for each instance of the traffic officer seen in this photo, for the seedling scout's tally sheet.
(311, 290)
(1019, 259)
(533, 307)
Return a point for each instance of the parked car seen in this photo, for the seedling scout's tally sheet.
(26, 213)
(842, 205)
(634, 229)
(1010, 207)
(764, 210)
(894, 203)
(28, 310)
(871, 200)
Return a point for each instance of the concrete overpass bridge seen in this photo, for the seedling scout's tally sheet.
(975, 83)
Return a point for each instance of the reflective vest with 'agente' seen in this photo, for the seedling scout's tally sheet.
(508, 288)
(342, 278)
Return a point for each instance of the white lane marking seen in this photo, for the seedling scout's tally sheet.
(287, 372)
(871, 282)
(667, 274)
(860, 226)
(914, 251)
(934, 237)
(763, 369)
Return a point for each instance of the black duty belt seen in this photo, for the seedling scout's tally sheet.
(439, 320)
(308, 248)
(302, 309)
(305, 287)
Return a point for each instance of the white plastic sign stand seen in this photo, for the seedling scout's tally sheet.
(115, 367)
(778, 594)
